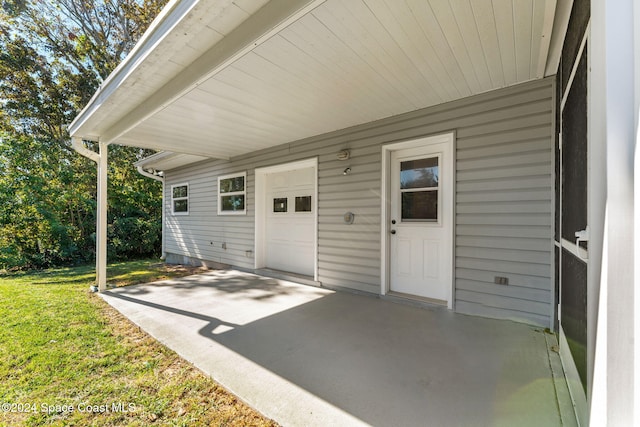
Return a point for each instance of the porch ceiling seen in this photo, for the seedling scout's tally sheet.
(223, 78)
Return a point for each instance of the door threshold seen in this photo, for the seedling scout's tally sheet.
(417, 298)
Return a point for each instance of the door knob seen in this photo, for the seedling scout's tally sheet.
(393, 231)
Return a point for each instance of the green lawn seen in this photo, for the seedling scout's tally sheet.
(68, 358)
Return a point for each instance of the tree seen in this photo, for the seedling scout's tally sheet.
(53, 57)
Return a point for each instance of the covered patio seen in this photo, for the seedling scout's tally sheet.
(304, 355)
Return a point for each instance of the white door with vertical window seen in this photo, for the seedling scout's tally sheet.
(290, 220)
(421, 221)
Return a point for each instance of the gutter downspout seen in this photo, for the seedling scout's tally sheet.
(143, 172)
(101, 209)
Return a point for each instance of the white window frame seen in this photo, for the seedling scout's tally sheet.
(233, 193)
(174, 199)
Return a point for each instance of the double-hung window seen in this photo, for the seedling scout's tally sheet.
(180, 199)
(232, 194)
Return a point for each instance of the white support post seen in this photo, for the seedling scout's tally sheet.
(101, 209)
(613, 66)
(101, 219)
(143, 172)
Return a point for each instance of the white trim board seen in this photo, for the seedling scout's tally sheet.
(260, 208)
(577, 251)
(574, 383)
(385, 204)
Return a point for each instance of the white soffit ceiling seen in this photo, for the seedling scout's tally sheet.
(351, 62)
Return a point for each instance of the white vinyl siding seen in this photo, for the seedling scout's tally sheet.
(504, 221)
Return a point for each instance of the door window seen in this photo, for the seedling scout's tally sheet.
(280, 204)
(303, 204)
(419, 189)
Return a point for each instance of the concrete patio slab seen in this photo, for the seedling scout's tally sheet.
(307, 356)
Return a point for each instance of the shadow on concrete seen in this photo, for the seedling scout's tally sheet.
(384, 363)
(226, 281)
(212, 323)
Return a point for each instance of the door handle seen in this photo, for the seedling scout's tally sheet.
(582, 236)
(393, 231)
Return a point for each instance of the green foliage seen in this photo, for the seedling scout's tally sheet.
(62, 345)
(53, 56)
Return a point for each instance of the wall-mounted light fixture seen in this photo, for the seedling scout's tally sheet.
(349, 217)
(347, 171)
(343, 155)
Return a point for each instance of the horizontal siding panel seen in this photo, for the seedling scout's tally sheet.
(505, 196)
(541, 156)
(350, 249)
(507, 118)
(502, 302)
(357, 203)
(506, 125)
(535, 257)
(337, 244)
(519, 292)
(338, 236)
(336, 223)
(504, 219)
(489, 119)
(502, 150)
(509, 147)
(365, 274)
(328, 153)
(341, 282)
(353, 260)
(522, 280)
(205, 245)
(504, 207)
(334, 273)
(514, 183)
(355, 170)
(466, 114)
(537, 129)
(504, 172)
(500, 266)
(332, 214)
(201, 229)
(335, 168)
(353, 228)
(325, 184)
(355, 181)
(516, 243)
(477, 309)
(347, 194)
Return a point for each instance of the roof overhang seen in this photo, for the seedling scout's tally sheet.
(166, 160)
(222, 78)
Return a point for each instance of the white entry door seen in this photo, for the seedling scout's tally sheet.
(421, 220)
(290, 220)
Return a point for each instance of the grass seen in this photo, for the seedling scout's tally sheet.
(63, 347)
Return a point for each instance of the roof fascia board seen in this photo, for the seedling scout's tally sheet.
(170, 16)
(265, 23)
(167, 160)
(558, 34)
(547, 35)
(154, 158)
